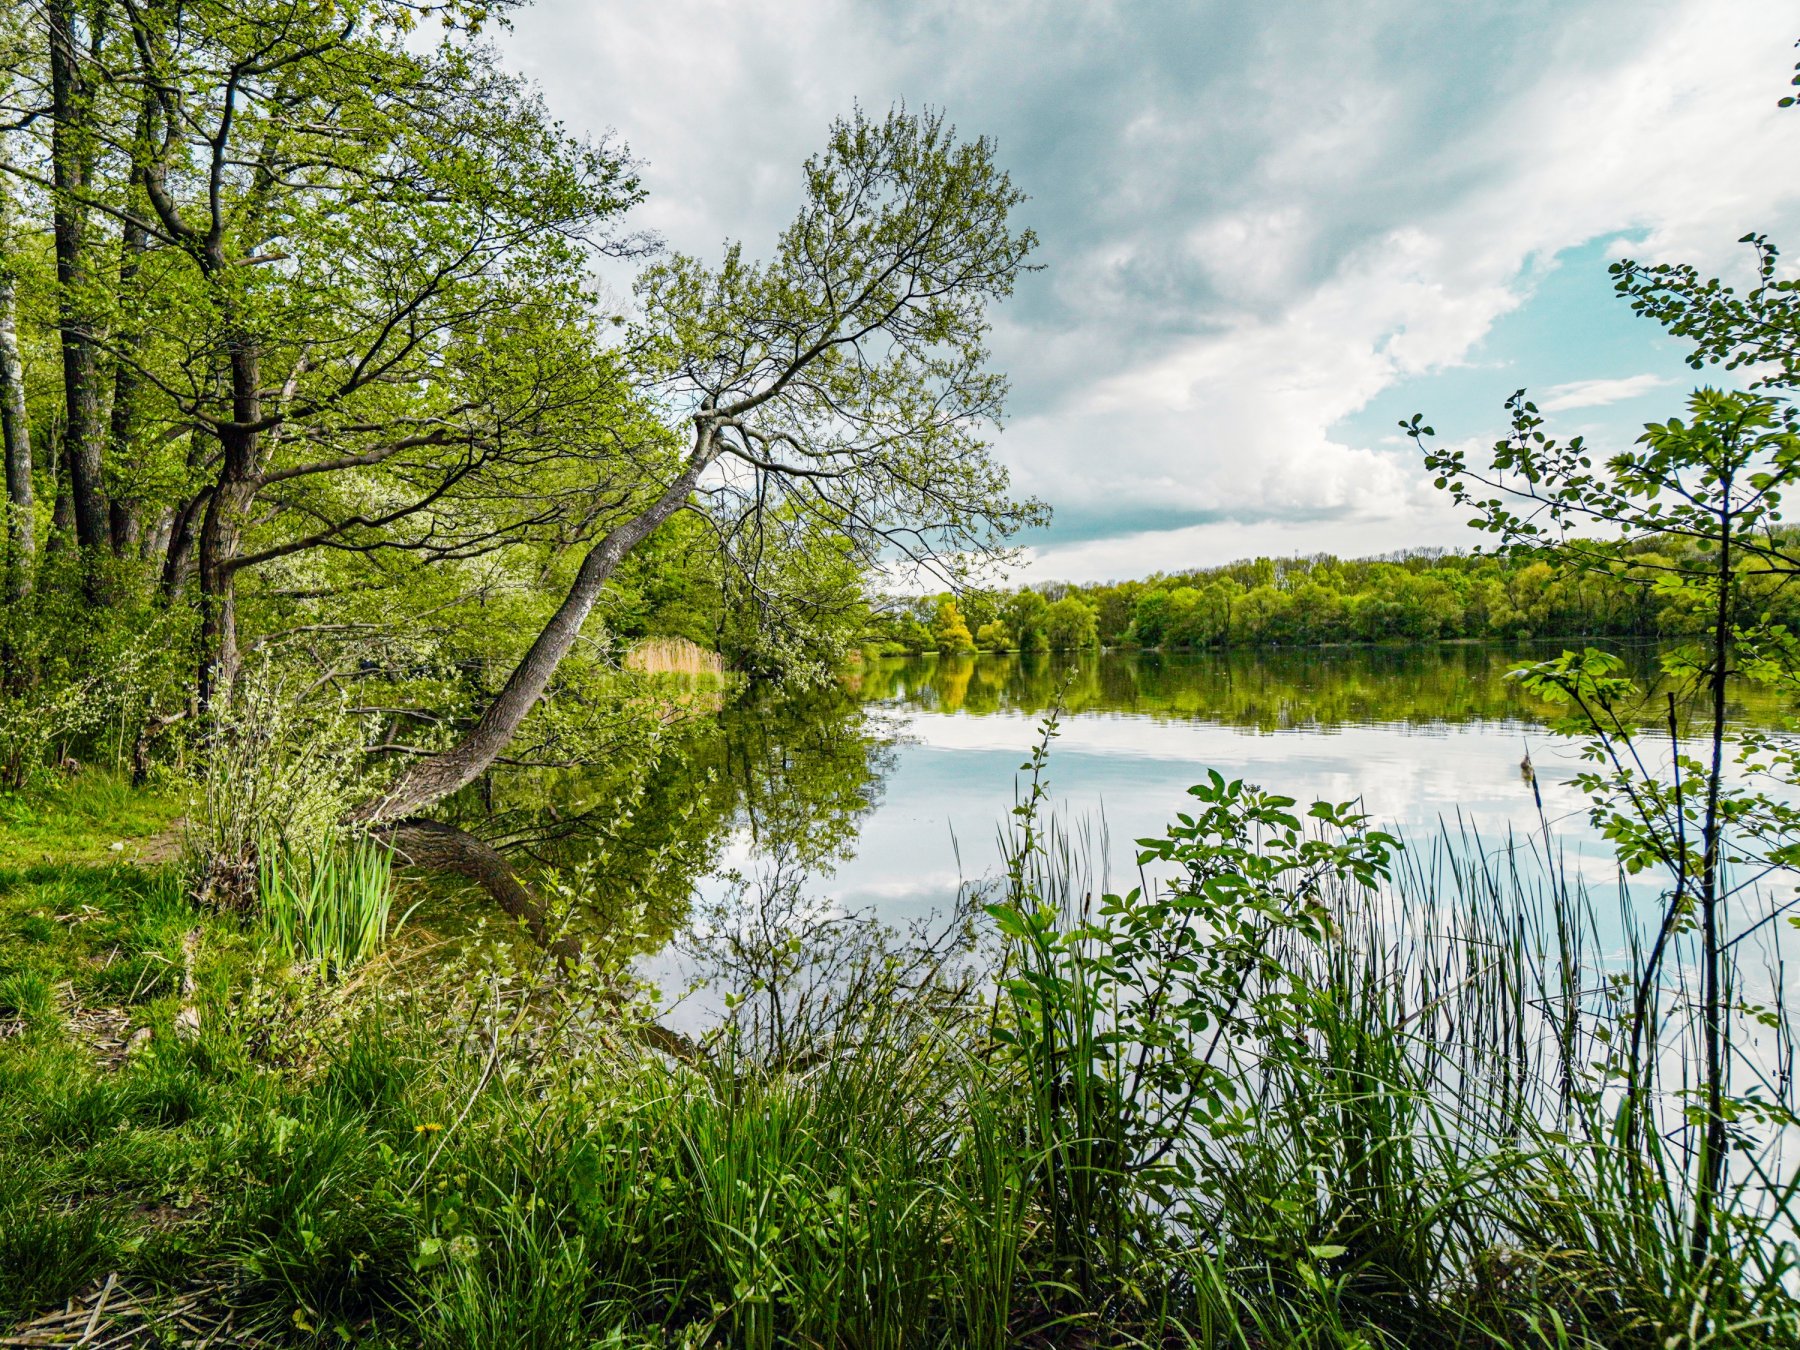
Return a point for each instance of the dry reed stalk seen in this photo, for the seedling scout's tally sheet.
(674, 656)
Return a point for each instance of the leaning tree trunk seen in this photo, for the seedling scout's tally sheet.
(429, 781)
(444, 848)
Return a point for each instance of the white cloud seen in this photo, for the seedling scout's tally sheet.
(1118, 557)
(1598, 393)
(1260, 220)
(1677, 141)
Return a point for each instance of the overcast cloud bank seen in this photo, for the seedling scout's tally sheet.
(1259, 223)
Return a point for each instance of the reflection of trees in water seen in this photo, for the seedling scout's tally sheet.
(1268, 689)
(797, 771)
(804, 973)
(804, 769)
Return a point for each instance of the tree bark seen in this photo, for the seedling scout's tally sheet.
(62, 510)
(1713, 1029)
(124, 510)
(72, 144)
(178, 547)
(220, 529)
(431, 780)
(440, 847)
(15, 433)
(431, 844)
(223, 524)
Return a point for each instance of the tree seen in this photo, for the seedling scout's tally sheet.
(1710, 488)
(844, 382)
(347, 313)
(1026, 616)
(993, 636)
(1260, 616)
(15, 424)
(1071, 626)
(950, 632)
(1152, 615)
(350, 356)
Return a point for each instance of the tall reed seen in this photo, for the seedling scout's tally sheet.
(330, 903)
(1404, 1118)
(674, 656)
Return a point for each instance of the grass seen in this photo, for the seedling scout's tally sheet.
(94, 817)
(446, 1150)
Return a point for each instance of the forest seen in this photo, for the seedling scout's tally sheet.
(409, 639)
(1417, 596)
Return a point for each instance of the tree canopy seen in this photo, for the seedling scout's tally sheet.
(302, 359)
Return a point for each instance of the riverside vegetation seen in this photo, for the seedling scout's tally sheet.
(337, 507)
(1425, 595)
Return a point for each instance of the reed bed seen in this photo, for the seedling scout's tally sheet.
(674, 656)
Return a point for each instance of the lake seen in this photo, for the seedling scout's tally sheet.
(1420, 734)
(893, 795)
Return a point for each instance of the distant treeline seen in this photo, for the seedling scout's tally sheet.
(1421, 596)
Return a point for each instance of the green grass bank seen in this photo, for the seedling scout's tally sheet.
(1349, 1126)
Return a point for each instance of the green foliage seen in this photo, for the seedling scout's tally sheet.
(950, 633)
(279, 770)
(879, 291)
(360, 403)
(329, 904)
(994, 636)
(1693, 514)
(1118, 1009)
(1381, 1149)
(75, 681)
(1425, 596)
(1070, 626)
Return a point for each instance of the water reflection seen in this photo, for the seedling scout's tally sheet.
(882, 797)
(886, 792)
(1266, 690)
(789, 775)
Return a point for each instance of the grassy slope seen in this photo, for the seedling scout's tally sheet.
(339, 1166)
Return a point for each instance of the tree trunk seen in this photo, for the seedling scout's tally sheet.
(432, 844)
(15, 433)
(72, 143)
(220, 530)
(178, 546)
(431, 780)
(1713, 1036)
(62, 510)
(123, 516)
(154, 539)
(222, 527)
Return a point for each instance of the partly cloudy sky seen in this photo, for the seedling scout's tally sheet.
(1271, 230)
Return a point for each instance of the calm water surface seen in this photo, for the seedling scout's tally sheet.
(885, 796)
(1421, 735)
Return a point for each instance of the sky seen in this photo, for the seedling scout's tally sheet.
(1270, 231)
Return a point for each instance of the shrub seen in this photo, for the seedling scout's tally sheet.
(275, 768)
